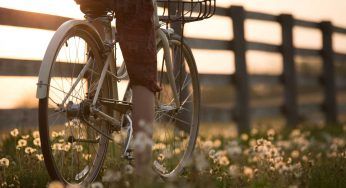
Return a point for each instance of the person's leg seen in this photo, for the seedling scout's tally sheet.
(137, 41)
(143, 117)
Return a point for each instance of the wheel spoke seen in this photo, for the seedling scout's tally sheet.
(74, 160)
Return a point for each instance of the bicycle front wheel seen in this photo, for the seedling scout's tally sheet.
(72, 137)
(176, 126)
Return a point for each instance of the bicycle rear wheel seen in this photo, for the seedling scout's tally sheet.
(72, 148)
(176, 127)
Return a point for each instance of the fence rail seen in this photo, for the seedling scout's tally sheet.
(240, 111)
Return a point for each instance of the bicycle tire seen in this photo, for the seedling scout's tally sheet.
(193, 133)
(55, 170)
(192, 72)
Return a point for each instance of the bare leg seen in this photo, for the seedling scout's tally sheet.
(143, 118)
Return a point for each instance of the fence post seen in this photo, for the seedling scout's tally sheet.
(242, 109)
(289, 76)
(328, 76)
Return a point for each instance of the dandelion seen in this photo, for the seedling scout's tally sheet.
(159, 146)
(305, 158)
(96, 185)
(86, 156)
(111, 176)
(217, 143)
(248, 172)
(55, 134)
(4, 162)
(177, 151)
(56, 184)
(57, 146)
(25, 136)
(73, 186)
(295, 133)
(14, 132)
(233, 170)
(127, 184)
(161, 157)
(39, 157)
(78, 148)
(30, 150)
(207, 145)
(254, 131)
(22, 143)
(223, 161)
(271, 133)
(36, 134)
(67, 147)
(37, 142)
(212, 153)
(129, 169)
(252, 142)
(244, 137)
(234, 150)
(61, 133)
(295, 154)
(201, 162)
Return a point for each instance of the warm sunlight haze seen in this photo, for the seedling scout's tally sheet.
(25, 43)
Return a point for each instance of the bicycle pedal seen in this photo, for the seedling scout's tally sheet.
(128, 157)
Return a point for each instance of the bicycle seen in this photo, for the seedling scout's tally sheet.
(79, 103)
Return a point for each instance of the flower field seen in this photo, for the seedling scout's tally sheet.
(311, 156)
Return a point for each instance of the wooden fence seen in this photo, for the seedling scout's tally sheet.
(242, 113)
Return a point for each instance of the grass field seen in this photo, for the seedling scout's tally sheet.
(311, 156)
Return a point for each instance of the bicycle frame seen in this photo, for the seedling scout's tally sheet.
(109, 64)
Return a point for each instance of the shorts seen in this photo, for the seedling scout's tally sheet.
(136, 32)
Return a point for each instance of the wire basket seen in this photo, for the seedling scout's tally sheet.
(185, 10)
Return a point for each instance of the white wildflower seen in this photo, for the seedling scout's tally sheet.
(207, 145)
(96, 185)
(248, 172)
(201, 162)
(4, 162)
(111, 176)
(295, 154)
(234, 171)
(129, 169)
(244, 137)
(37, 142)
(30, 150)
(86, 156)
(39, 157)
(217, 143)
(159, 146)
(223, 161)
(35, 134)
(55, 184)
(14, 132)
(22, 143)
(25, 136)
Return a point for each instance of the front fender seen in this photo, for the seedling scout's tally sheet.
(55, 43)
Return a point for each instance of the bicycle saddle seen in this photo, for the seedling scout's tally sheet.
(96, 8)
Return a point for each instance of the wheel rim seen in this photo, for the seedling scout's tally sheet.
(75, 149)
(176, 127)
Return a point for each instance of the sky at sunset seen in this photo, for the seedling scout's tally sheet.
(33, 47)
